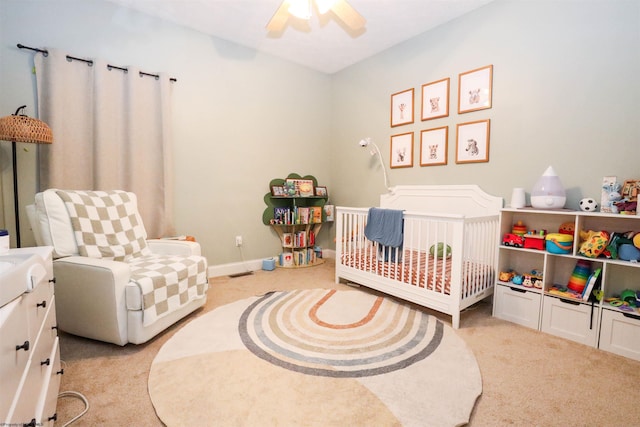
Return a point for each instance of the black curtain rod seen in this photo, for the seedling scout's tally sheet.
(89, 62)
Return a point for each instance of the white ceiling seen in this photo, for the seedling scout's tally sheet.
(323, 43)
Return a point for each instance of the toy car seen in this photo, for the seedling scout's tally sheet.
(514, 240)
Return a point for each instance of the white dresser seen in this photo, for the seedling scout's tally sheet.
(29, 353)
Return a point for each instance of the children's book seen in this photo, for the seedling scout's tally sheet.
(591, 281)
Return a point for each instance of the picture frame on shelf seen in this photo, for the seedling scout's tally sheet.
(472, 141)
(301, 187)
(475, 89)
(329, 213)
(402, 150)
(630, 189)
(435, 99)
(278, 191)
(321, 191)
(402, 107)
(434, 146)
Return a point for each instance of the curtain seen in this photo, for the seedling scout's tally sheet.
(111, 132)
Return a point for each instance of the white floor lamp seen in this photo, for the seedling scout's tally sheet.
(21, 128)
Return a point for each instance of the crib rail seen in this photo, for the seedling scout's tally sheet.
(442, 254)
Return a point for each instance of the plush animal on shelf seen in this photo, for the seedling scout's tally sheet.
(613, 195)
(593, 243)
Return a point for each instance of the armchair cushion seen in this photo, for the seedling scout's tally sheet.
(106, 224)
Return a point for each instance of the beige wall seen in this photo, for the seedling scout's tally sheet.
(565, 93)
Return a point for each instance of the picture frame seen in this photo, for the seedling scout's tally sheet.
(434, 146)
(472, 141)
(299, 187)
(630, 190)
(321, 191)
(329, 213)
(402, 150)
(435, 99)
(402, 107)
(475, 89)
(278, 191)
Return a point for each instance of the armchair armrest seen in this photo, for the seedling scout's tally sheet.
(90, 297)
(173, 247)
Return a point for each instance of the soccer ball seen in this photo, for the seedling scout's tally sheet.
(588, 205)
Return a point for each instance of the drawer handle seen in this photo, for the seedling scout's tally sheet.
(31, 424)
(60, 372)
(631, 316)
(54, 417)
(24, 346)
(52, 280)
(42, 304)
(522, 291)
(46, 362)
(566, 301)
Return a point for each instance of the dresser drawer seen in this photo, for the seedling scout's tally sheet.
(517, 305)
(620, 333)
(13, 330)
(572, 320)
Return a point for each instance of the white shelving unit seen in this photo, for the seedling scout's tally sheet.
(597, 324)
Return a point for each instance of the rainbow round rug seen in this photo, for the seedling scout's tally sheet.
(315, 358)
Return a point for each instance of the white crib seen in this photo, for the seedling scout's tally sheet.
(460, 217)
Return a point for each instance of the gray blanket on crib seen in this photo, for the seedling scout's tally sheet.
(385, 227)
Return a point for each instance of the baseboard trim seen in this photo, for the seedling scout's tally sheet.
(251, 265)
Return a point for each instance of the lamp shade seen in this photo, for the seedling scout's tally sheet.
(21, 128)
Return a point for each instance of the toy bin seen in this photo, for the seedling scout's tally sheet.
(558, 243)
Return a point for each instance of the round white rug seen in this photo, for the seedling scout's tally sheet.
(315, 358)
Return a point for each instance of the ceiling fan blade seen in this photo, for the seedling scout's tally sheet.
(348, 15)
(279, 19)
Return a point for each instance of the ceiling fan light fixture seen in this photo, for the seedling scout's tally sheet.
(324, 6)
(300, 8)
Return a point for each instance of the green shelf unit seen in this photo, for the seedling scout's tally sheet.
(290, 201)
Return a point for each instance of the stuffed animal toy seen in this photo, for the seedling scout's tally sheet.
(613, 195)
(593, 243)
(567, 228)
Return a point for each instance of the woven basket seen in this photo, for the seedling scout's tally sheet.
(19, 128)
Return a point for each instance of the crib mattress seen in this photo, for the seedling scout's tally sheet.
(420, 269)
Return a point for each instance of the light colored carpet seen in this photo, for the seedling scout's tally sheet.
(528, 377)
(315, 358)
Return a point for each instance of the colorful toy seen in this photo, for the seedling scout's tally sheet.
(517, 279)
(514, 240)
(532, 281)
(558, 243)
(588, 205)
(567, 228)
(628, 252)
(593, 243)
(533, 240)
(579, 276)
(519, 228)
(506, 276)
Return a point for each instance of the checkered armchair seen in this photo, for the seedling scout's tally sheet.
(112, 283)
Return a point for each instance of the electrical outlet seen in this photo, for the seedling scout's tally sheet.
(238, 240)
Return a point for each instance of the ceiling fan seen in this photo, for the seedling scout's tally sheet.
(302, 9)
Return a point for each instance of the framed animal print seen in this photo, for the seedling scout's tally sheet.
(475, 89)
(402, 107)
(402, 150)
(435, 99)
(472, 142)
(434, 146)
